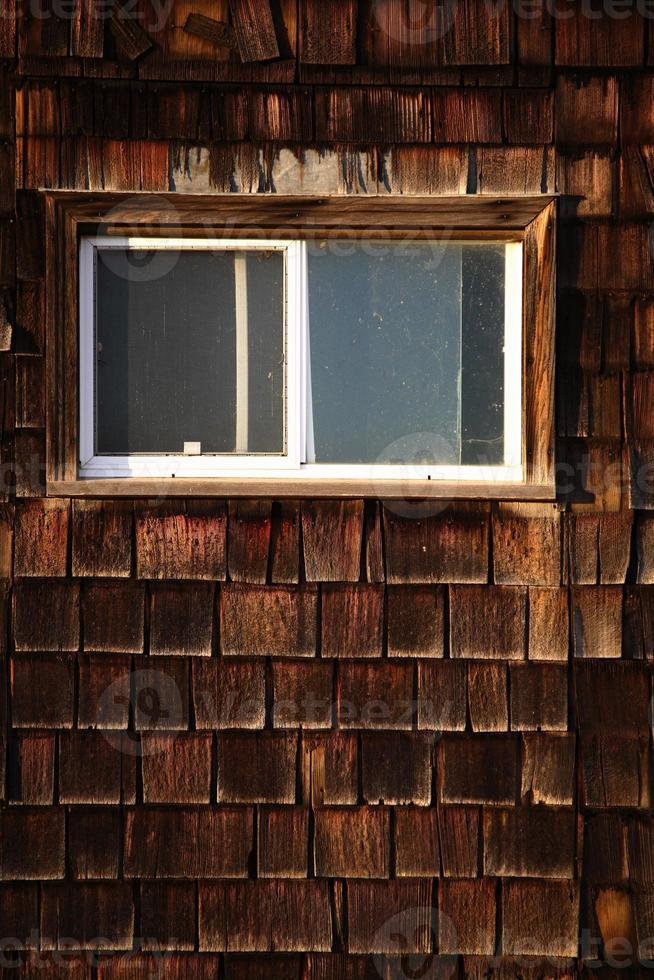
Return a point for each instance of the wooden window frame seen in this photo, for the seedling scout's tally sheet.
(528, 220)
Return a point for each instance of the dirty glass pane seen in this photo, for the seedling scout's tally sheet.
(385, 345)
(182, 338)
(482, 388)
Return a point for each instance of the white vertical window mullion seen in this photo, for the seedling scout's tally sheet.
(513, 354)
(294, 319)
(87, 344)
(242, 353)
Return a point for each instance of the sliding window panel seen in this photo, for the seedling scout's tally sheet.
(189, 347)
(385, 351)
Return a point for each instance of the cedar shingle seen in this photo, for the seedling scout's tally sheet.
(528, 115)
(396, 767)
(645, 549)
(175, 543)
(527, 545)
(181, 619)
(532, 842)
(332, 534)
(94, 844)
(229, 694)
(612, 698)
(539, 697)
(113, 616)
(32, 844)
(176, 768)
(636, 108)
(467, 115)
(373, 115)
(615, 771)
(441, 695)
(352, 620)
(449, 547)
(487, 697)
(249, 540)
(160, 694)
(303, 695)
(262, 916)
(31, 778)
(586, 110)
(285, 543)
(488, 622)
(283, 842)
(167, 915)
(548, 769)
(352, 842)
(42, 692)
(417, 851)
(328, 32)
(458, 831)
(605, 849)
(46, 615)
(376, 695)
(640, 840)
(98, 916)
(375, 910)
(596, 621)
(474, 35)
(256, 768)
(19, 916)
(467, 917)
(199, 843)
(605, 40)
(91, 770)
(329, 768)
(268, 621)
(479, 769)
(639, 622)
(415, 621)
(540, 918)
(41, 546)
(255, 29)
(283, 115)
(104, 692)
(30, 403)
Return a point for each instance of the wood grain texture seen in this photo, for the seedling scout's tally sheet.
(41, 542)
(488, 705)
(548, 637)
(526, 545)
(547, 912)
(102, 538)
(488, 623)
(328, 32)
(468, 909)
(249, 526)
(415, 617)
(268, 621)
(449, 547)
(255, 30)
(352, 842)
(548, 769)
(332, 534)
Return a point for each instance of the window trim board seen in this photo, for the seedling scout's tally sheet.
(70, 214)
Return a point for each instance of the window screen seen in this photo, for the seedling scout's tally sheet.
(189, 347)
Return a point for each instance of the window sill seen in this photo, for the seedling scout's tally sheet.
(274, 487)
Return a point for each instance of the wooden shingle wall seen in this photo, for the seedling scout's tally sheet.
(309, 740)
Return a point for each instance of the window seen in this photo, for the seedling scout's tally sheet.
(376, 351)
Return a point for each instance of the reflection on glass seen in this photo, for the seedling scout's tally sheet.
(189, 348)
(406, 352)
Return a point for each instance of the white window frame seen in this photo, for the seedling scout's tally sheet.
(297, 420)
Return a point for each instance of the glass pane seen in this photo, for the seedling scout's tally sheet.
(397, 331)
(189, 348)
(385, 351)
(482, 389)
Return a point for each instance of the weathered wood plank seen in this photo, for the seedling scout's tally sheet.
(248, 546)
(255, 29)
(332, 533)
(328, 32)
